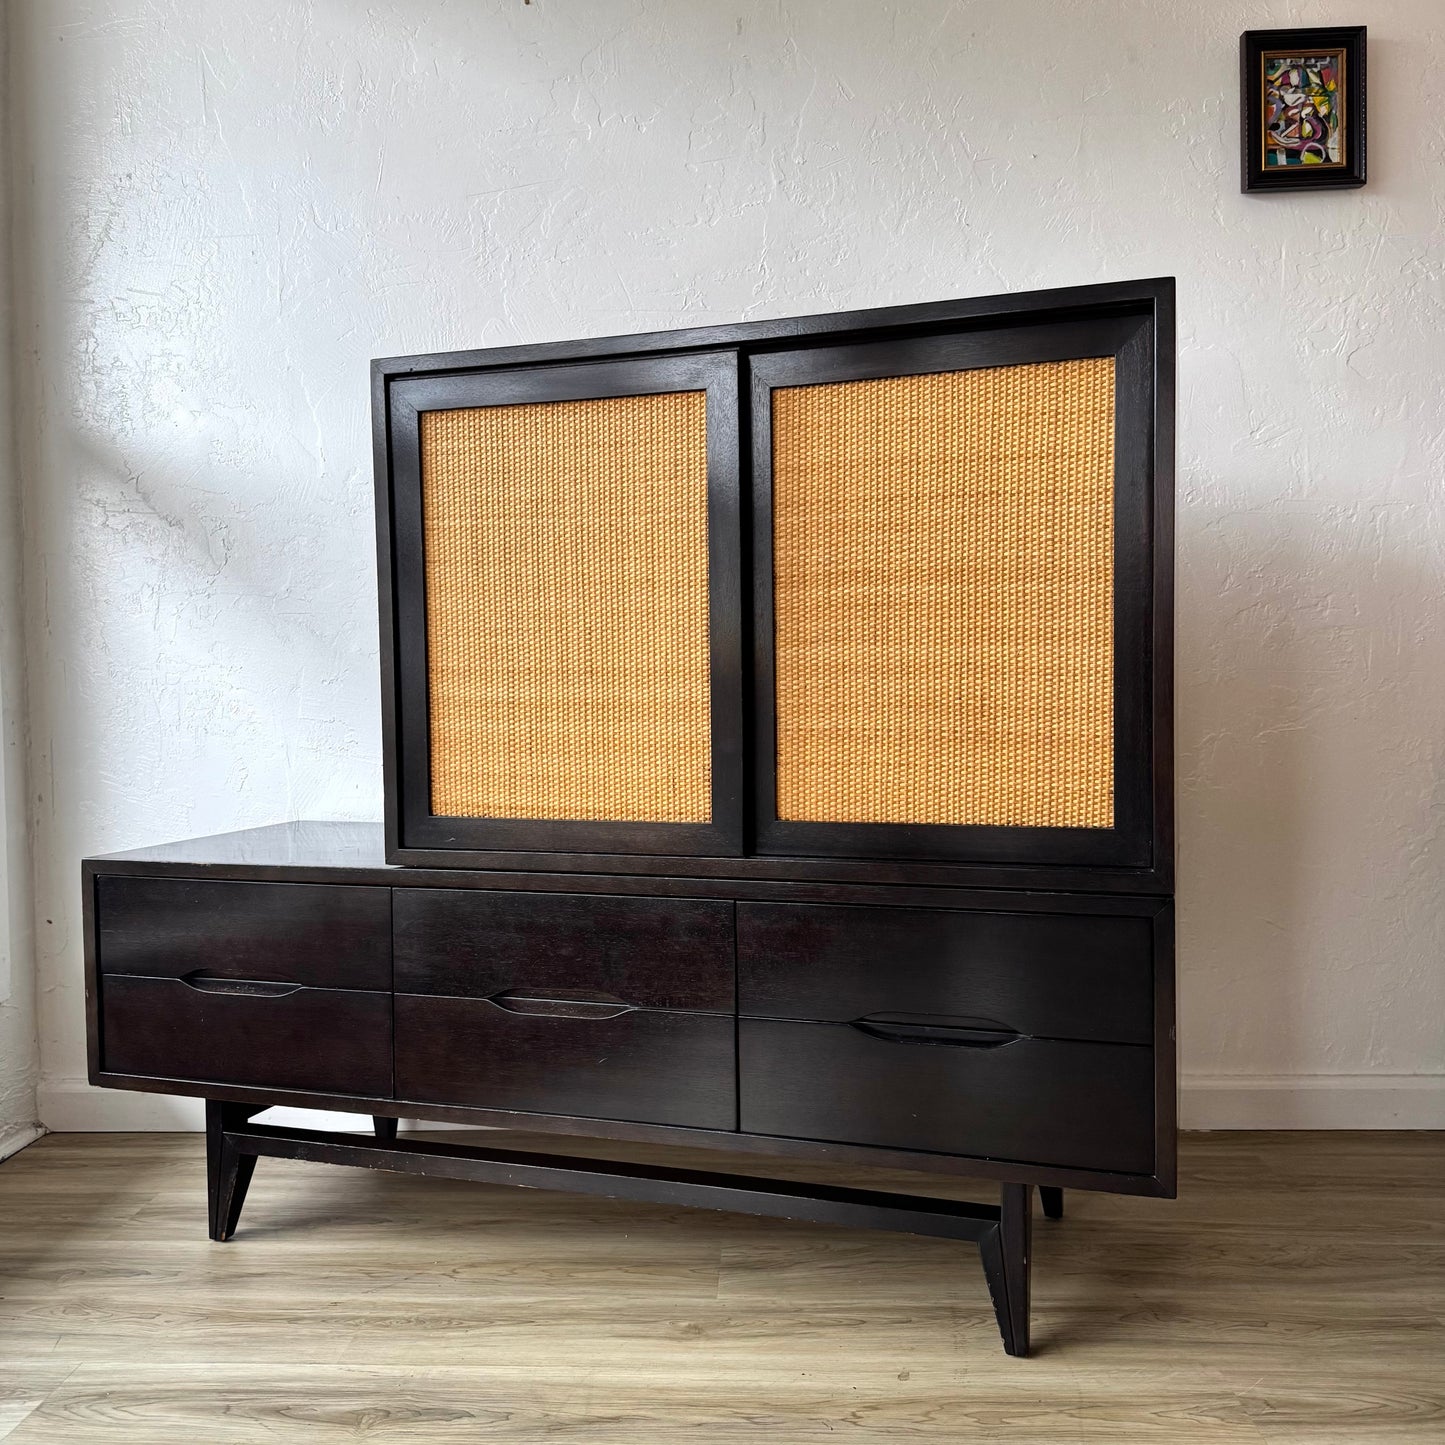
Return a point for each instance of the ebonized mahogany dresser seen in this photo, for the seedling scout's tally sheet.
(778, 757)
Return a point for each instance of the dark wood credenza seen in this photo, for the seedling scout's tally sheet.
(979, 1000)
(292, 965)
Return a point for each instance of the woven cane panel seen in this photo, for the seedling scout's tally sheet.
(567, 610)
(944, 594)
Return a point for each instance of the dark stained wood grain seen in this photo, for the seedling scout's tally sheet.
(355, 853)
(557, 1125)
(1061, 976)
(340, 852)
(1132, 320)
(1137, 838)
(309, 1038)
(321, 935)
(830, 327)
(350, 853)
(642, 1064)
(1037, 1101)
(670, 953)
(228, 1172)
(1015, 1237)
(1166, 1059)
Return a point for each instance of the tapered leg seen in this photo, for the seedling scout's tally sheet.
(1005, 1252)
(228, 1173)
(1052, 1199)
(384, 1128)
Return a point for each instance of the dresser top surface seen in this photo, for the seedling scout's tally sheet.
(354, 853)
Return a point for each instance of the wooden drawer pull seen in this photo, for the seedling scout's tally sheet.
(916, 1029)
(204, 982)
(541, 1004)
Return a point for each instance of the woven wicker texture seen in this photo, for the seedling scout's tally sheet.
(567, 611)
(944, 591)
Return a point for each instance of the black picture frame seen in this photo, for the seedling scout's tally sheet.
(1256, 47)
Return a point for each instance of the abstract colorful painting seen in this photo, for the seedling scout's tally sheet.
(1302, 108)
(1303, 116)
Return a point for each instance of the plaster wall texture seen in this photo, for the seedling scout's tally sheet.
(227, 206)
(19, 1053)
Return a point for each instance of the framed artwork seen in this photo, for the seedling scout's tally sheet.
(1302, 108)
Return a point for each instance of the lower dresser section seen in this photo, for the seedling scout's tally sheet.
(275, 1036)
(1012, 1035)
(652, 1066)
(1038, 1101)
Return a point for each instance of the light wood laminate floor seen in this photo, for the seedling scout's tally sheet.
(1294, 1292)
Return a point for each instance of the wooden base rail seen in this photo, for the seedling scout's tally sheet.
(1001, 1232)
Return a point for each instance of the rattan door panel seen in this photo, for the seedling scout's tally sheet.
(950, 597)
(566, 548)
(566, 606)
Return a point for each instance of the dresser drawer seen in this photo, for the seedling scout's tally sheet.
(668, 953)
(1034, 1101)
(646, 1065)
(1047, 975)
(318, 934)
(270, 1036)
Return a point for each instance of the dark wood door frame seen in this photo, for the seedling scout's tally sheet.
(402, 582)
(1129, 338)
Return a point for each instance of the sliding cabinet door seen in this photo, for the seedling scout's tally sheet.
(953, 572)
(566, 658)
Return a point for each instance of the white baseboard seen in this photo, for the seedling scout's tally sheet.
(1312, 1101)
(16, 1137)
(1207, 1101)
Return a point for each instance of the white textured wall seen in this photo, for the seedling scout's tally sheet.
(228, 206)
(19, 1056)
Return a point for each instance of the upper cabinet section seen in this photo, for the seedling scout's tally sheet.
(890, 587)
(566, 645)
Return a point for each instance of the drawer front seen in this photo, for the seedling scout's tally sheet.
(1033, 1101)
(645, 1065)
(327, 1040)
(1059, 976)
(666, 953)
(318, 934)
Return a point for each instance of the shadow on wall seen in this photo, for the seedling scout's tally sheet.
(235, 664)
(1307, 763)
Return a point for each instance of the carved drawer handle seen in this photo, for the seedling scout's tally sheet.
(204, 982)
(966, 1033)
(542, 1003)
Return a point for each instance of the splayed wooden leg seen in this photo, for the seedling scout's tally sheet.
(228, 1172)
(1006, 1252)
